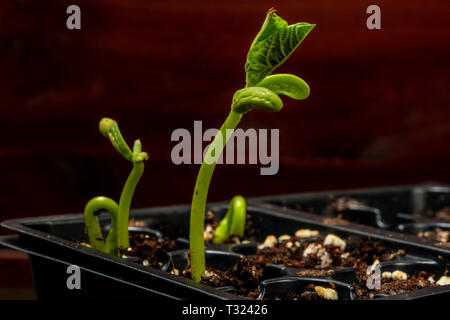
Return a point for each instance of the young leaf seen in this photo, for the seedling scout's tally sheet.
(272, 46)
(138, 155)
(110, 129)
(250, 98)
(286, 85)
(234, 221)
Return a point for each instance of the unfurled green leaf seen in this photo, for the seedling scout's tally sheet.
(286, 85)
(272, 46)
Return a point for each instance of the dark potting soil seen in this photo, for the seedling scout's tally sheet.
(152, 252)
(310, 256)
(443, 214)
(330, 258)
(414, 282)
(211, 225)
(436, 235)
(309, 293)
(246, 275)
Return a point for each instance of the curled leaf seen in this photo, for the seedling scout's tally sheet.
(234, 221)
(106, 126)
(250, 98)
(110, 129)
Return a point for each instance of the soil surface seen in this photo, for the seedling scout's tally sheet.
(393, 287)
(309, 293)
(443, 214)
(149, 250)
(437, 234)
(313, 257)
(246, 275)
(211, 225)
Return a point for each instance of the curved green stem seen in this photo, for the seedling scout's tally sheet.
(125, 203)
(110, 129)
(234, 221)
(93, 226)
(197, 221)
(118, 235)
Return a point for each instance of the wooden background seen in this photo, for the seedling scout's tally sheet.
(378, 113)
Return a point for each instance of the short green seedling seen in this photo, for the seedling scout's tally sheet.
(272, 46)
(117, 237)
(233, 223)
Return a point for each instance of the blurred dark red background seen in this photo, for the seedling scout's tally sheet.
(378, 113)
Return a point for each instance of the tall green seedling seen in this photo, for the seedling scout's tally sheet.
(272, 46)
(117, 237)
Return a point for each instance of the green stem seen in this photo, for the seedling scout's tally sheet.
(197, 247)
(93, 226)
(125, 203)
(118, 235)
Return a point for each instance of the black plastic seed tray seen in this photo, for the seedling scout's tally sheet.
(412, 209)
(54, 242)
